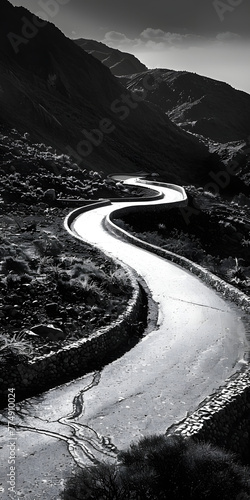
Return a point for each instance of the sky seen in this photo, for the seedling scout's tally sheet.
(209, 37)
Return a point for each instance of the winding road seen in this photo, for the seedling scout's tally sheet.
(198, 341)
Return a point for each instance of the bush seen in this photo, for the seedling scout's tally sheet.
(48, 246)
(15, 265)
(14, 349)
(161, 467)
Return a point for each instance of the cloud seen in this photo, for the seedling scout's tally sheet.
(114, 37)
(228, 36)
(151, 33)
(161, 37)
(152, 39)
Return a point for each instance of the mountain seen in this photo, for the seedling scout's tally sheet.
(64, 97)
(198, 104)
(119, 63)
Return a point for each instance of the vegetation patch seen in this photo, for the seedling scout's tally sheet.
(33, 172)
(212, 231)
(161, 467)
(47, 278)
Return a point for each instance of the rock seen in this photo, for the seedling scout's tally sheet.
(15, 311)
(30, 334)
(42, 206)
(49, 332)
(72, 312)
(50, 195)
(7, 307)
(15, 299)
(52, 309)
(91, 300)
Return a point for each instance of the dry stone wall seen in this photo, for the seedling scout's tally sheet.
(224, 418)
(78, 358)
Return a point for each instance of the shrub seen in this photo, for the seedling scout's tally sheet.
(18, 266)
(48, 246)
(95, 483)
(161, 467)
(14, 349)
(87, 267)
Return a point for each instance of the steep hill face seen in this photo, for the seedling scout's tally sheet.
(198, 104)
(119, 63)
(58, 93)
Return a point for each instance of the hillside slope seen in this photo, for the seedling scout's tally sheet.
(119, 63)
(58, 93)
(199, 104)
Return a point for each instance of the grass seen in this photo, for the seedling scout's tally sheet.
(14, 347)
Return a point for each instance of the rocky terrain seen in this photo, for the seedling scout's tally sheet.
(48, 279)
(45, 277)
(119, 63)
(33, 172)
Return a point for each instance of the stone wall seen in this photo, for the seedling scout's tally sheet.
(87, 354)
(228, 291)
(223, 419)
(79, 357)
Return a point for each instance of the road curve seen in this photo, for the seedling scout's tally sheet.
(197, 343)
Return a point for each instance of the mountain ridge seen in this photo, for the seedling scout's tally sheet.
(64, 97)
(119, 63)
(198, 104)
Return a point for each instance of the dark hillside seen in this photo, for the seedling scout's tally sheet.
(54, 90)
(119, 63)
(199, 104)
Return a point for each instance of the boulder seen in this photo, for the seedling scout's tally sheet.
(50, 195)
(49, 331)
(52, 309)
